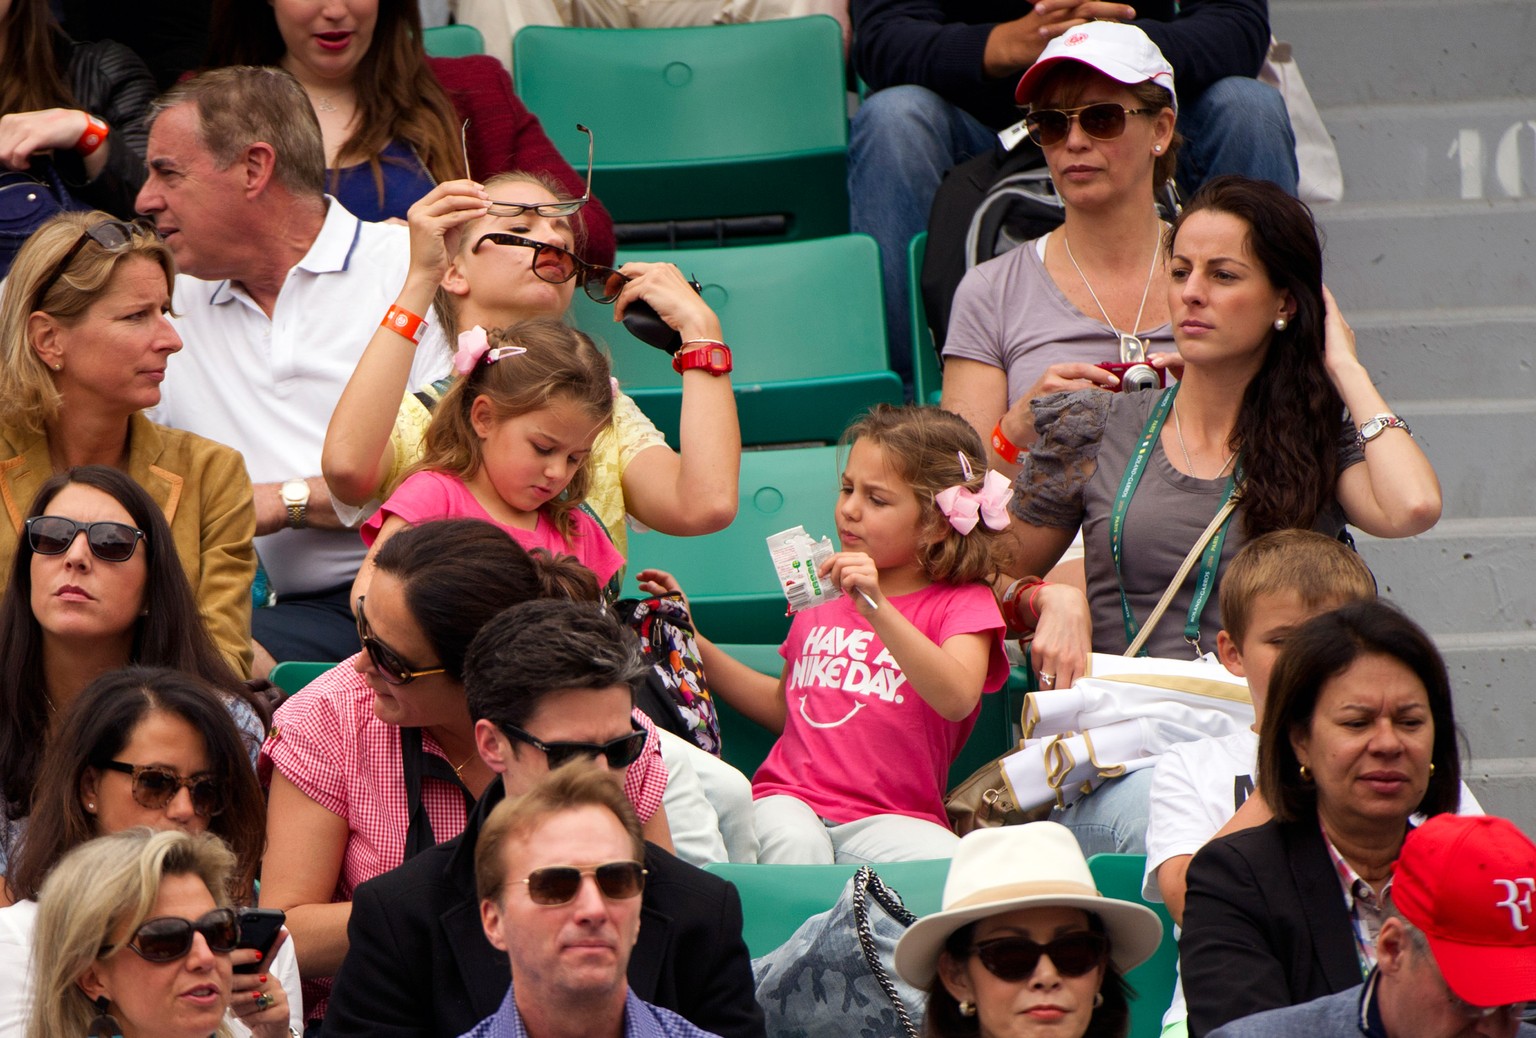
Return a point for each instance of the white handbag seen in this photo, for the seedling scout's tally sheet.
(1317, 159)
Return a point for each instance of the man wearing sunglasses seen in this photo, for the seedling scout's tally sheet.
(944, 71)
(1455, 952)
(559, 875)
(280, 290)
(548, 682)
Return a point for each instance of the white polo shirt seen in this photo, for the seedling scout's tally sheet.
(267, 386)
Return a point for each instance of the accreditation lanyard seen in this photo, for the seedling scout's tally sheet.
(1210, 559)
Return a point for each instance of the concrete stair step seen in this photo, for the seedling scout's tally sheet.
(1437, 354)
(1478, 450)
(1461, 150)
(1402, 255)
(1410, 50)
(1464, 577)
(1504, 787)
(1485, 668)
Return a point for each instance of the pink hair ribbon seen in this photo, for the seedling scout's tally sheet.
(965, 508)
(474, 344)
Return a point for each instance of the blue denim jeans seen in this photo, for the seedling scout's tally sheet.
(1237, 126)
(901, 143)
(1113, 818)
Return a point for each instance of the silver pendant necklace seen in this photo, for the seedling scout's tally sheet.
(1130, 345)
(1178, 430)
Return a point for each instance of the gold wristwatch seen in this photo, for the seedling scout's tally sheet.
(295, 494)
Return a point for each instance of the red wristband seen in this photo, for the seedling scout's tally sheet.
(95, 135)
(402, 322)
(1010, 603)
(1006, 448)
(1033, 611)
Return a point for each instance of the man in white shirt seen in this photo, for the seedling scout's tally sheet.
(279, 293)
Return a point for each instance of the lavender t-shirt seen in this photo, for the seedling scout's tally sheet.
(1009, 314)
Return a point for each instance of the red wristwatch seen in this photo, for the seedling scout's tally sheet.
(715, 359)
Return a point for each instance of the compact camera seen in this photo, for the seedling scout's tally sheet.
(1134, 371)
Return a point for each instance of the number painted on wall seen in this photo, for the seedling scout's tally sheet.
(1514, 161)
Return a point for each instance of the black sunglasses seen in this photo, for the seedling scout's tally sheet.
(169, 938)
(558, 884)
(111, 235)
(1015, 958)
(110, 542)
(1103, 122)
(548, 210)
(620, 752)
(602, 284)
(389, 663)
(154, 786)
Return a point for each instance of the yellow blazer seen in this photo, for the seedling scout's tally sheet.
(205, 493)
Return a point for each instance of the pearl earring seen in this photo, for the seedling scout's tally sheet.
(967, 1008)
(1280, 323)
(1157, 149)
(1098, 999)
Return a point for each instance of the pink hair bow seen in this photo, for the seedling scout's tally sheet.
(965, 508)
(474, 344)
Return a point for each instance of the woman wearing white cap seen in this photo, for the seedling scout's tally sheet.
(1042, 317)
(1025, 944)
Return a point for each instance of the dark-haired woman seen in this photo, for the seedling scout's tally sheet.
(343, 750)
(1358, 737)
(77, 106)
(95, 585)
(392, 117)
(109, 767)
(1269, 370)
(1025, 945)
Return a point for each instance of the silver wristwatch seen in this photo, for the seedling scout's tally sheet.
(1377, 425)
(295, 495)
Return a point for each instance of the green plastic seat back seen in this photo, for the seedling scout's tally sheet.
(805, 321)
(452, 41)
(699, 122)
(776, 899)
(744, 744)
(928, 379)
(294, 675)
(1120, 875)
(728, 575)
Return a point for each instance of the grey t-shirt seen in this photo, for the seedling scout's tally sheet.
(1071, 476)
(1009, 314)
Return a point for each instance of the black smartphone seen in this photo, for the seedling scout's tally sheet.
(259, 928)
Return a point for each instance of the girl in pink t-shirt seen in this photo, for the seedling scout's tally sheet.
(882, 686)
(509, 443)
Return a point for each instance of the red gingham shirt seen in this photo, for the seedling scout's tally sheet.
(328, 743)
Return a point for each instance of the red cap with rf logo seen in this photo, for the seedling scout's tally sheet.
(1469, 883)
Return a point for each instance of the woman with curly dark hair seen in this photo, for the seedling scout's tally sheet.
(1270, 369)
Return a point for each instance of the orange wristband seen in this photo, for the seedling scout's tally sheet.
(1006, 448)
(95, 135)
(402, 322)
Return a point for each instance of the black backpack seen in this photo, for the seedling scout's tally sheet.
(985, 207)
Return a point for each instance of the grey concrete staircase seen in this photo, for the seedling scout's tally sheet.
(1432, 255)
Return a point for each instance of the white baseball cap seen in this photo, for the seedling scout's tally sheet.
(1122, 52)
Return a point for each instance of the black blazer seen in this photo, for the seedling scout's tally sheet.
(419, 965)
(1265, 925)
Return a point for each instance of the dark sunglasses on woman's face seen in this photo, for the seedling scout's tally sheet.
(1103, 122)
(602, 284)
(548, 210)
(110, 542)
(619, 753)
(558, 884)
(168, 938)
(155, 786)
(111, 235)
(1015, 958)
(389, 663)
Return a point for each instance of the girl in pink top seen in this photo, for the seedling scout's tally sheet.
(508, 444)
(882, 686)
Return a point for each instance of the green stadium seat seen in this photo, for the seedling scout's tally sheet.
(806, 327)
(294, 675)
(452, 41)
(927, 376)
(1119, 875)
(776, 899)
(728, 576)
(734, 122)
